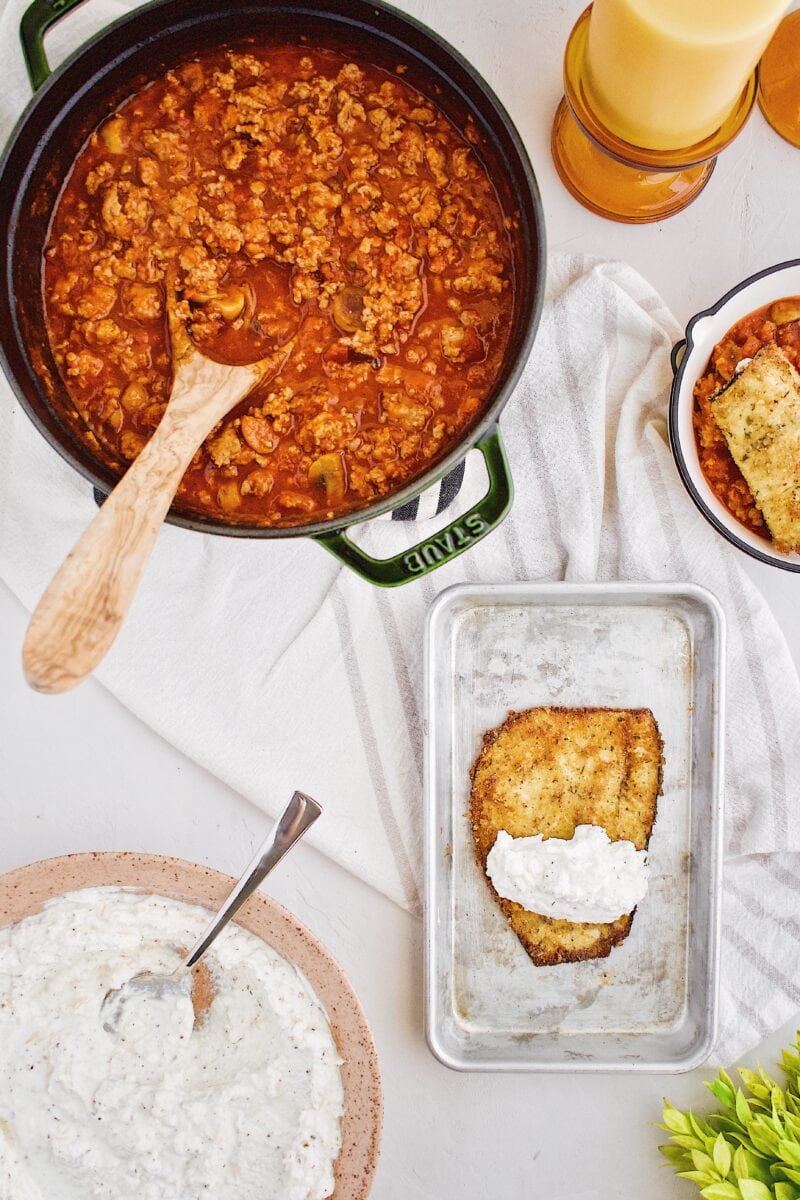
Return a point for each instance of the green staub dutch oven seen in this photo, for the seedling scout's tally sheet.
(71, 101)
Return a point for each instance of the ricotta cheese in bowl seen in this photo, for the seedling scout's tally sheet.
(246, 1104)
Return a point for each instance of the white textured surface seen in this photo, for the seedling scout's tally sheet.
(80, 773)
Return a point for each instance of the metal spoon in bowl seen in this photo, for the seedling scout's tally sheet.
(298, 816)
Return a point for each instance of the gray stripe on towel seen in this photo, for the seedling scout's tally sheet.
(405, 687)
(756, 909)
(407, 511)
(369, 742)
(766, 711)
(749, 953)
(789, 879)
(449, 487)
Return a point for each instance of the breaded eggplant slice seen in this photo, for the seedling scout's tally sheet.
(548, 770)
(758, 413)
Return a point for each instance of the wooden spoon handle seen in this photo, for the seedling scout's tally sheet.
(87, 600)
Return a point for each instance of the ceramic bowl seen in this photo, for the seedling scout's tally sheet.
(24, 891)
(689, 360)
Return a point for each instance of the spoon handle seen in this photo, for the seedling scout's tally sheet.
(83, 607)
(299, 815)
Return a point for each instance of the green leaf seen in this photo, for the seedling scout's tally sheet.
(701, 1178)
(756, 1167)
(741, 1166)
(722, 1155)
(698, 1129)
(688, 1143)
(753, 1083)
(755, 1155)
(723, 1089)
(763, 1137)
(731, 1127)
(703, 1162)
(784, 1191)
(765, 1147)
(753, 1189)
(779, 1171)
(675, 1155)
(674, 1120)
(789, 1152)
(791, 1066)
(743, 1110)
(722, 1191)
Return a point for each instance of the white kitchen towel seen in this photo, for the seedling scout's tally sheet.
(275, 668)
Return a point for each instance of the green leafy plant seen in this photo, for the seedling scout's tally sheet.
(749, 1149)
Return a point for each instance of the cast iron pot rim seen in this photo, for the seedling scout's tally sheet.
(687, 343)
(417, 486)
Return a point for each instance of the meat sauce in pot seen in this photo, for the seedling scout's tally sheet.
(303, 201)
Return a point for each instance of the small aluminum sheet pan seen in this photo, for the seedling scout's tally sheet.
(652, 1004)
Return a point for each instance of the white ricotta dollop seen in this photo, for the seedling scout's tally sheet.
(587, 878)
(245, 1106)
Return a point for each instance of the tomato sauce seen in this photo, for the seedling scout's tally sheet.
(301, 201)
(777, 323)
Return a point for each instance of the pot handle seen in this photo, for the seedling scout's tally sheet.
(36, 20)
(676, 355)
(460, 535)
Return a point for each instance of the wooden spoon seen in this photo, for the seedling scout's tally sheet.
(83, 607)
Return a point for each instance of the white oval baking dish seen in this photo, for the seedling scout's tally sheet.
(689, 359)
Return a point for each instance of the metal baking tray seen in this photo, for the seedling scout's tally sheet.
(652, 1004)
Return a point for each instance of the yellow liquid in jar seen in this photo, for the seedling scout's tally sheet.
(664, 74)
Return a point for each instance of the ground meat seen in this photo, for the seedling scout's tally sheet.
(125, 210)
(224, 448)
(143, 301)
(307, 203)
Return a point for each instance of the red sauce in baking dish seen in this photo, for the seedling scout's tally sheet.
(777, 323)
